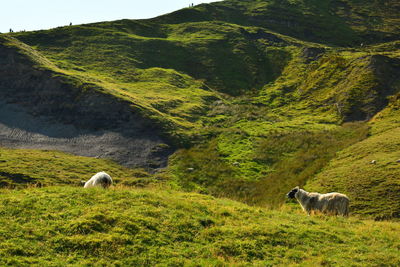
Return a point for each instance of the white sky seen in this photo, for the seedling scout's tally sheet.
(45, 14)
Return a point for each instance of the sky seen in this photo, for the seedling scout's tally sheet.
(45, 14)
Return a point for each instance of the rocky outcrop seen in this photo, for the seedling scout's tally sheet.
(365, 102)
(312, 53)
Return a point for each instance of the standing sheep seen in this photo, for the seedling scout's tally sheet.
(99, 179)
(330, 203)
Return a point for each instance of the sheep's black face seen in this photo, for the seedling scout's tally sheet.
(106, 183)
(292, 193)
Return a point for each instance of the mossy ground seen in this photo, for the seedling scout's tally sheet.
(122, 226)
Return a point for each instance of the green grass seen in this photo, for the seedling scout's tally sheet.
(343, 22)
(232, 84)
(236, 87)
(260, 170)
(172, 79)
(168, 98)
(306, 106)
(373, 188)
(21, 168)
(235, 134)
(209, 51)
(74, 226)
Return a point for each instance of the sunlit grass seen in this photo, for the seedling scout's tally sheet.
(22, 167)
(235, 91)
(67, 225)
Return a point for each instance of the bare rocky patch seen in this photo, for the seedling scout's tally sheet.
(19, 129)
(40, 109)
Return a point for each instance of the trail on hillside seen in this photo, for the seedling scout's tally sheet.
(19, 129)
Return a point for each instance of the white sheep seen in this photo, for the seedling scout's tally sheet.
(99, 179)
(330, 203)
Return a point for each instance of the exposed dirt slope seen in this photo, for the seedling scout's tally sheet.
(41, 109)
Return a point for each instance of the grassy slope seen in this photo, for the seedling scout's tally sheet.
(277, 122)
(146, 61)
(153, 72)
(21, 167)
(176, 93)
(290, 130)
(374, 189)
(334, 22)
(66, 225)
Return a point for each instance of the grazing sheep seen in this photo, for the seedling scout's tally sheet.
(373, 162)
(99, 179)
(331, 203)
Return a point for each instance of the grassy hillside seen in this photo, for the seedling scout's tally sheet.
(258, 96)
(160, 95)
(287, 132)
(20, 167)
(252, 98)
(335, 22)
(66, 225)
(373, 188)
(153, 72)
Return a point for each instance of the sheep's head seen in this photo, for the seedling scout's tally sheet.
(293, 192)
(106, 183)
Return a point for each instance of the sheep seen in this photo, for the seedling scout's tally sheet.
(330, 203)
(99, 179)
